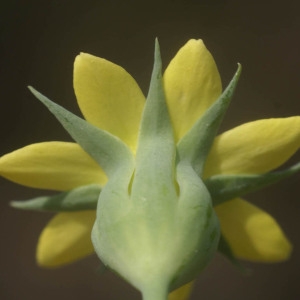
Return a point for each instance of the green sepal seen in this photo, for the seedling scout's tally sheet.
(226, 187)
(198, 225)
(155, 157)
(81, 198)
(196, 143)
(108, 150)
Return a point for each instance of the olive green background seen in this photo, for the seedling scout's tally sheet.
(39, 40)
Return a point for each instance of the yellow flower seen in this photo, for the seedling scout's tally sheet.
(110, 99)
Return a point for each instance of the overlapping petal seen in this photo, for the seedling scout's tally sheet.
(192, 83)
(108, 97)
(66, 238)
(254, 148)
(51, 165)
(252, 233)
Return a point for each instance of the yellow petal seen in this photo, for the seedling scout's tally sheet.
(255, 147)
(108, 97)
(182, 293)
(51, 165)
(252, 233)
(66, 238)
(192, 83)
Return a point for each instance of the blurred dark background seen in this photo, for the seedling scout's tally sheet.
(39, 40)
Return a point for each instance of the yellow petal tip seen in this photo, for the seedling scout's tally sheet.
(65, 239)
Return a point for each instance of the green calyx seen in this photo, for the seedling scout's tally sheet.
(162, 231)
